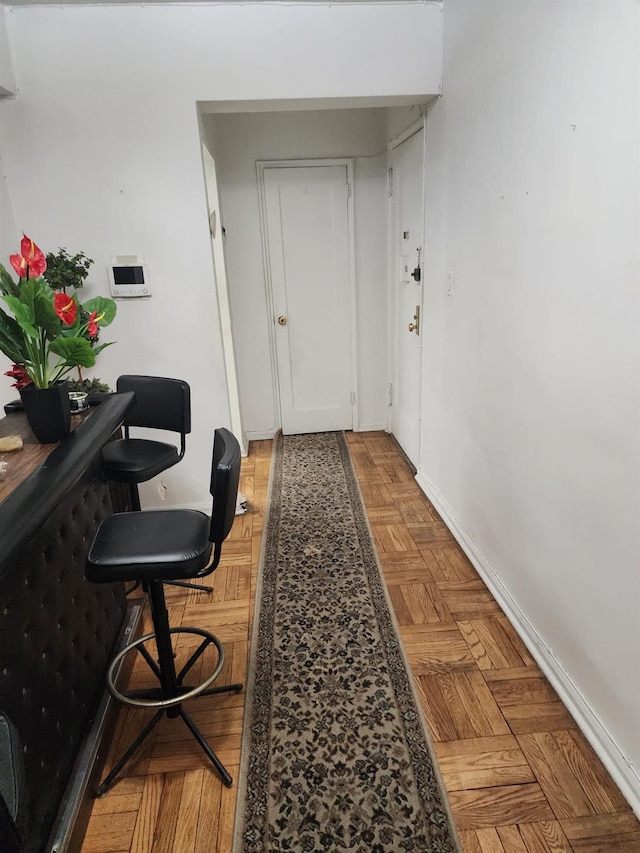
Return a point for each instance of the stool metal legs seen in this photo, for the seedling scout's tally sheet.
(110, 780)
(199, 586)
(168, 698)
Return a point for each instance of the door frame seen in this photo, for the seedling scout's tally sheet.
(261, 167)
(392, 272)
(221, 280)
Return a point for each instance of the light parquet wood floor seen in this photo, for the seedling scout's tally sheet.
(519, 775)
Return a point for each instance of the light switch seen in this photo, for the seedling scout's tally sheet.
(450, 284)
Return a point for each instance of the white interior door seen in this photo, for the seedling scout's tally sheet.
(408, 236)
(308, 249)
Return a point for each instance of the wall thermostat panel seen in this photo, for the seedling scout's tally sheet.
(129, 277)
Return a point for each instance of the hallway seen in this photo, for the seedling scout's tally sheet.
(519, 775)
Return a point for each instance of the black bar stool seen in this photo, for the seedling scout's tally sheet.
(161, 404)
(154, 547)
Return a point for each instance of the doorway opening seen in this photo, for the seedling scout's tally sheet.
(293, 137)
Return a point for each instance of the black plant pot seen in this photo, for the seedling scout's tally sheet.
(48, 412)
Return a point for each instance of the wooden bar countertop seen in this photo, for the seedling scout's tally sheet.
(39, 475)
(21, 463)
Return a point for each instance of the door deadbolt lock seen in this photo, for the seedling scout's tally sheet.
(282, 319)
(416, 275)
(415, 326)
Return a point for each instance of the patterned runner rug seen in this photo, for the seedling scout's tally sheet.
(335, 754)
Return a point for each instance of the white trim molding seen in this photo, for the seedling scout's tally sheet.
(262, 434)
(621, 769)
(415, 127)
(381, 427)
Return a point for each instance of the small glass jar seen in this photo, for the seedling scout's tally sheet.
(78, 401)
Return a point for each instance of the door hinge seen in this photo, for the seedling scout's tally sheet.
(348, 190)
(353, 398)
(389, 394)
(389, 182)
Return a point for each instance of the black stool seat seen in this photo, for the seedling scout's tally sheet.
(153, 548)
(137, 460)
(160, 544)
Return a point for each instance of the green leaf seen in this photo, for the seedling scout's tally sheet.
(7, 284)
(24, 313)
(100, 347)
(74, 351)
(12, 341)
(33, 309)
(46, 317)
(102, 305)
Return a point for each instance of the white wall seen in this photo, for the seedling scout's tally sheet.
(238, 142)
(102, 153)
(8, 236)
(7, 80)
(531, 426)
(9, 244)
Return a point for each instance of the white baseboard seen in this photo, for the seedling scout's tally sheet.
(204, 507)
(382, 427)
(201, 506)
(621, 769)
(261, 435)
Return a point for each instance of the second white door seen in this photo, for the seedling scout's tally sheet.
(408, 236)
(307, 229)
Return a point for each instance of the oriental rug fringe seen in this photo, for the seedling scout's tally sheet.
(336, 756)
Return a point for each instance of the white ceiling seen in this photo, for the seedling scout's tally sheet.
(190, 2)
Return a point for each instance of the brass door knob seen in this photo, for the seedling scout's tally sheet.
(282, 319)
(415, 327)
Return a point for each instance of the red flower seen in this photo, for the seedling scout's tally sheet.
(31, 262)
(92, 324)
(18, 373)
(65, 308)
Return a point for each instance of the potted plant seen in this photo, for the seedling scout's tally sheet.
(65, 270)
(50, 333)
(94, 385)
(95, 389)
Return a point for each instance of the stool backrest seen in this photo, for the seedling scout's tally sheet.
(225, 474)
(161, 403)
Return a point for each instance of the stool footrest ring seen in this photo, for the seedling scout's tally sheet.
(169, 705)
(183, 693)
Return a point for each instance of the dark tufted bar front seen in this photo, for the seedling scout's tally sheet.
(57, 631)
